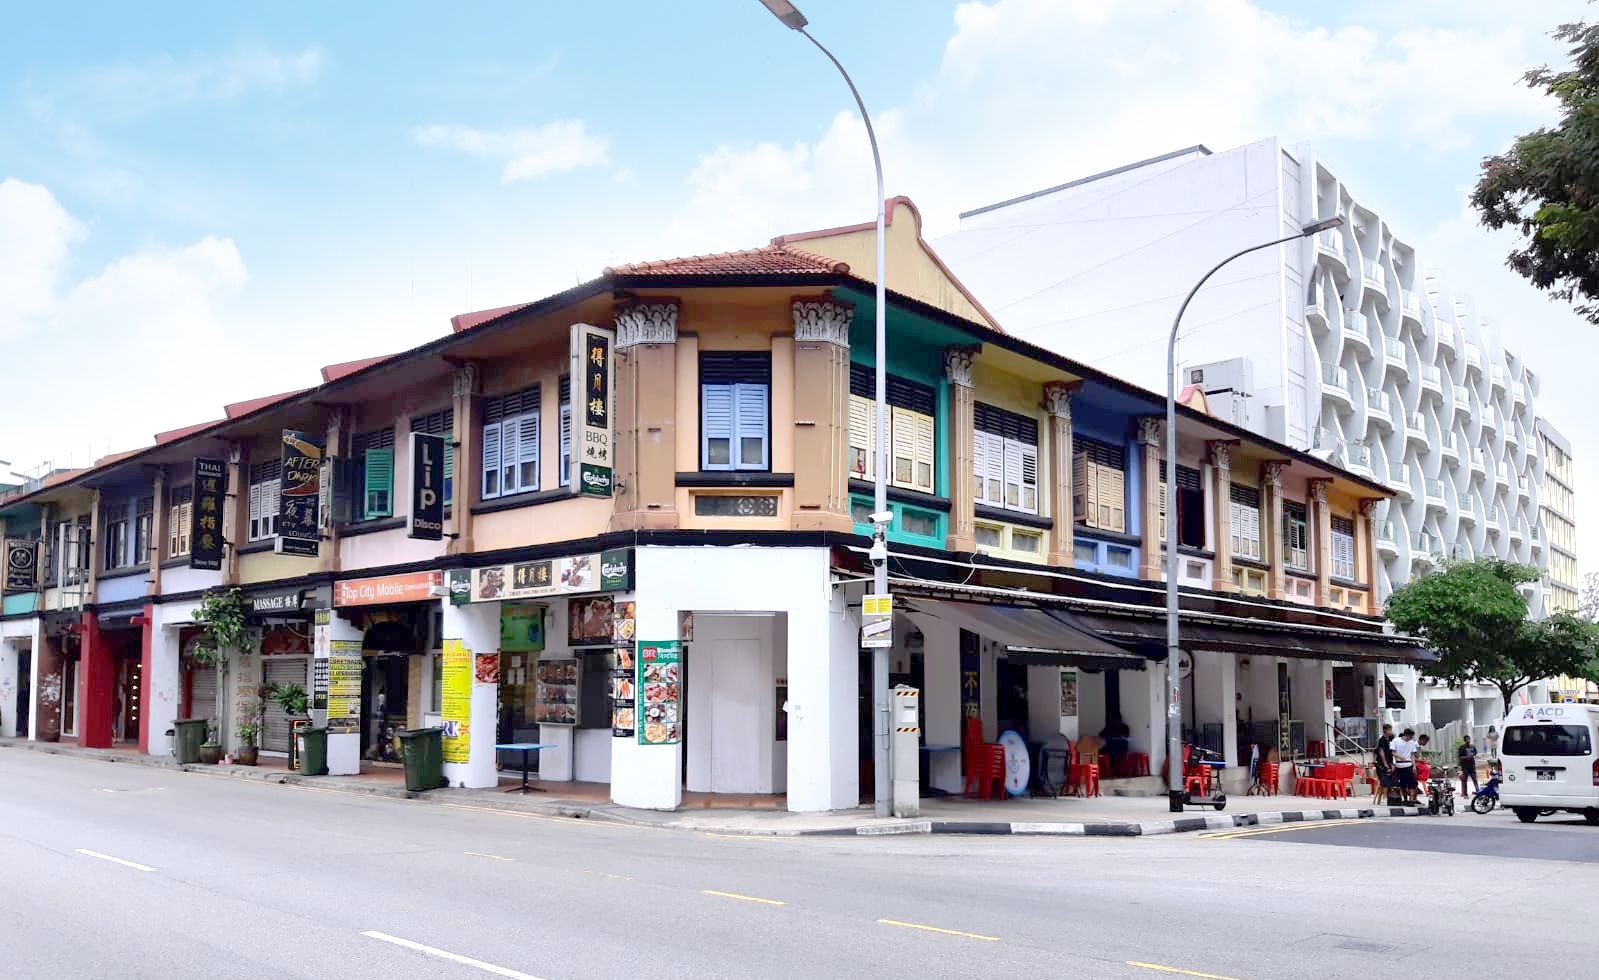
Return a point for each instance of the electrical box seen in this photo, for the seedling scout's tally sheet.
(905, 742)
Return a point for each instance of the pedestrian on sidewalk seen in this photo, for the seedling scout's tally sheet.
(1384, 762)
(1467, 756)
(1493, 743)
(1404, 749)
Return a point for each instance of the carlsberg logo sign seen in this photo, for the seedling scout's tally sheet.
(595, 481)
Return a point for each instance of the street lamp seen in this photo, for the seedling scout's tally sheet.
(1178, 795)
(793, 19)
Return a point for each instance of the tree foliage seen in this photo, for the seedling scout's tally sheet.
(1473, 616)
(1546, 186)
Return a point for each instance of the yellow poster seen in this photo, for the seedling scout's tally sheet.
(456, 700)
(344, 687)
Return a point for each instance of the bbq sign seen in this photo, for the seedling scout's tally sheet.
(22, 565)
(299, 531)
(426, 520)
(591, 451)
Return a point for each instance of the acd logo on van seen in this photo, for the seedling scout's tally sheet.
(1542, 712)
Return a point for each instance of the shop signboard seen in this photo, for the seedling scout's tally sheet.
(659, 688)
(277, 602)
(616, 570)
(1285, 711)
(205, 517)
(971, 675)
(521, 627)
(572, 575)
(22, 565)
(1068, 693)
(458, 583)
(300, 495)
(344, 687)
(425, 521)
(455, 702)
(384, 589)
(623, 693)
(591, 364)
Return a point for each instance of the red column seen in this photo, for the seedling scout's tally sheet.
(97, 677)
(146, 672)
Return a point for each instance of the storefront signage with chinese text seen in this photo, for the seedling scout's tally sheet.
(205, 519)
(299, 495)
(591, 447)
(277, 602)
(534, 579)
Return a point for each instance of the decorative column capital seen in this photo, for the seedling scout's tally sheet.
(958, 365)
(1272, 475)
(646, 323)
(1318, 491)
(1151, 430)
(822, 320)
(1368, 508)
(1221, 454)
(1058, 399)
(463, 384)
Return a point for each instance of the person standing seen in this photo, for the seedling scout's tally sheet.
(1384, 756)
(1467, 757)
(1404, 749)
(1493, 743)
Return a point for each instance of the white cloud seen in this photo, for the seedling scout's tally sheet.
(529, 154)
(35, 235)
(132, 89)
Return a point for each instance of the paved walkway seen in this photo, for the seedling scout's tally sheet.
(1111, 816)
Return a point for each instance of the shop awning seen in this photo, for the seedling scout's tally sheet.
(1392, 696)
(1149, 634)
(1030, 634)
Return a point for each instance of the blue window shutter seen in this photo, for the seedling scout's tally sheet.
(527, 453)
(379, 484)
(716, 427)
(750, 405)
(491, 460)
(509, 429)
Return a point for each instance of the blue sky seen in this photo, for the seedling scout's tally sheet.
(256, 190)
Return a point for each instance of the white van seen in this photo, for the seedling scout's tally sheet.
(1550, 754)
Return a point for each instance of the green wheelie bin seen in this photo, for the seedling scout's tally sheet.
(313, 751)
(424, 758)
(187, 736)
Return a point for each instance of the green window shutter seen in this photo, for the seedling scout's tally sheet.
(449, 470)
(379, 501)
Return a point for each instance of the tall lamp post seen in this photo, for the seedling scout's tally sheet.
(881, 516)
(1178, 795)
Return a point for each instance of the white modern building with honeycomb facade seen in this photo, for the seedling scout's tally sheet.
(1345, 344)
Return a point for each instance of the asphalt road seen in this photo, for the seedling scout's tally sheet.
(116, 871)
(1560, 837)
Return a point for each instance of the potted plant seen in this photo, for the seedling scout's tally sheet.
(291, 698)
(222, 626)
(210, 749)
(248, 727)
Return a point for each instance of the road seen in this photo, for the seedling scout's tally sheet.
(118, 871)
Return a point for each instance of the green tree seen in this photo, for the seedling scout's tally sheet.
(1546, 185)
(1473, 616)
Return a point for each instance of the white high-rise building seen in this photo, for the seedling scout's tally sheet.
(1345, 344)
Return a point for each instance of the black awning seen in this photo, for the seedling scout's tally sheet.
(1301, 642)
(1028, 631)
(1392, 696)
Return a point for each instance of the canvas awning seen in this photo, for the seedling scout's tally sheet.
(1030, 634)
(1303, 642)
(1392, 696)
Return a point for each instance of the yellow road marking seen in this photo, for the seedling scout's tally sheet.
(491, 857)
(1177, 969)
(1273, 829)
(943, 932)
(741, 898)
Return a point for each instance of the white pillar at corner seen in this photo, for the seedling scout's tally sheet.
(1216, 697)
(164, 678)
(823, 688)
(478, 626)
(344, 749)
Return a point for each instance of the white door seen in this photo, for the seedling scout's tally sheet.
(274, 720)
(741, 686)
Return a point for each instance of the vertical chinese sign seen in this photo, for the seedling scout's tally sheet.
(456, 702)
(205, 518)
(299, 530)
(592, 465)
(659, 690)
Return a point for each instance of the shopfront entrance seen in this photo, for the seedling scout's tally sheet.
(24, 688)
(391, 669)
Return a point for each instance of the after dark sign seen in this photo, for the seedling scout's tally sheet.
(299, 530)
(205, 519)
(22, 565)
(426, 519)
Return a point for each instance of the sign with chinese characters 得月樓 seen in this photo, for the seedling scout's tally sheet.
(592, 465)
(205, 517)
(299, 495)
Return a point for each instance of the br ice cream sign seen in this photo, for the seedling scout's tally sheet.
(591, 461)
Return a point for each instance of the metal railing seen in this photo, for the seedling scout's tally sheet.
(1359, 456)
(1434, 488)
(1335, 377)
(1385, 531)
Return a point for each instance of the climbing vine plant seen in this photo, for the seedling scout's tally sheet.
(222, 626)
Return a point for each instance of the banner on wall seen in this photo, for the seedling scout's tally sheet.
(205, 516)
(592, 465)
(344, 687)
(659, 690)
(455, 701)
(300, 495)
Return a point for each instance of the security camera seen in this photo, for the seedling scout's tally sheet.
(882, 517)
(878, 552)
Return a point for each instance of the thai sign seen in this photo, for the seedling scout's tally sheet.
(426, 518)
(591, 448)
(205, 517)
(300, 495)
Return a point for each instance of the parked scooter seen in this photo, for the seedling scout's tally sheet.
(1487, 795)
(1440, 793)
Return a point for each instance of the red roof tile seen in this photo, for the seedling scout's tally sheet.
(768, 260)
(344, 369)
(172, 435)
(466, 321)
(256, 404)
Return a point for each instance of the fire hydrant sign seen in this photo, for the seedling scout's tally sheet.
(456, 701)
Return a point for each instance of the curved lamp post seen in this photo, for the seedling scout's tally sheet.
(1177, 794)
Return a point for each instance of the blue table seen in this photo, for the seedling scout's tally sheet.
(524, 748)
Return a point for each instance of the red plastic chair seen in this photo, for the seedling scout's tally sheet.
(1137, 763)
(1196, 781)
(995, 773)
(1267, 778)
(1083, 775)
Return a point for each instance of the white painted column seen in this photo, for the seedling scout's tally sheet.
(650, 777)
(33, 678)
(344, 749)
(823, 682)
(165, 677)
(1215, 695)
(941, 699)
(8, 689)
(478, 626)
(1144, 712)
(1044, 721)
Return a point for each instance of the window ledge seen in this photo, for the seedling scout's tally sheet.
(1190, 551)
(1240, 561)
(516, 500)
(178, 562)
(357, 528)
(1347, 583)
(1102, 534)
(123, 572)
(734, 478)
(900, 495)
(1022, 518)
(1303, 573)
(256, 547)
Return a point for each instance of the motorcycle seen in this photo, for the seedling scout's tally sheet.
(1487, 795)
(1440, 793)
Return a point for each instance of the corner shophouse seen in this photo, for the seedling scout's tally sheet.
(742, 444)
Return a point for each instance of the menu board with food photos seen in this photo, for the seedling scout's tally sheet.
(659, 687)
(624, 693)
(557, 692)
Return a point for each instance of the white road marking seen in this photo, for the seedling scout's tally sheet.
(114, 860)
(444, 954)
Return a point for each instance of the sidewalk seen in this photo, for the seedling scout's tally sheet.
(1109, 816)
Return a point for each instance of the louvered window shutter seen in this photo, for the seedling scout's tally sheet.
(902, 447)
(862, 447)
(449, 468)
(1012, 452)
(566, 444)
(491, 460)
(510, 445)
(256, 532)
(1162, 526)
(750, 402)
(994, 457)
(979, 466)
(926, 457)
(1029, 478)
(1113, 499)
(1085, 503)
(183, 528)
(716, 427)
(271, 500)
(378, 496)
(527, 453)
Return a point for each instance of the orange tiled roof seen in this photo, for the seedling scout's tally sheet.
(247, 406)
(767, 260)
(466, 321)
(334, 372)
(172, 435)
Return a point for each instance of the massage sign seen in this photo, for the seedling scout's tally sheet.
(299, 527)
